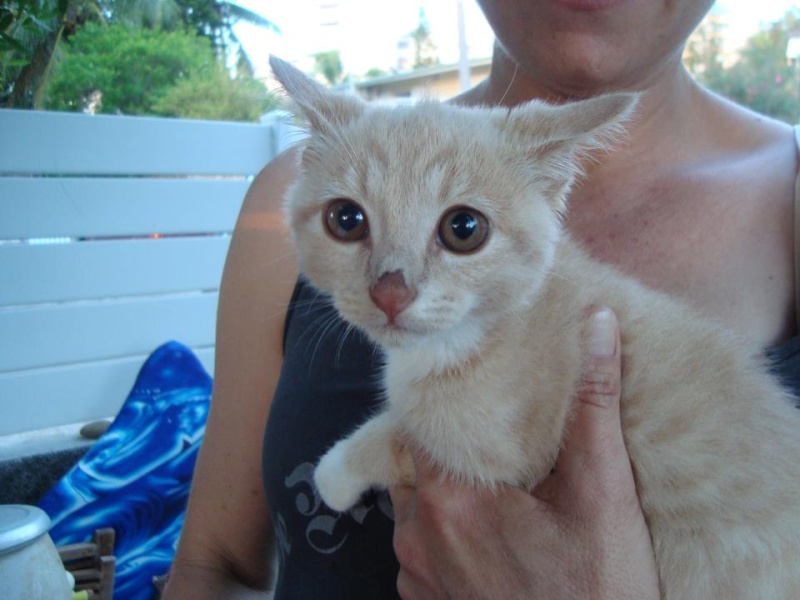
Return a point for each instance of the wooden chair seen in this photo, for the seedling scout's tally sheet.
(92, 564)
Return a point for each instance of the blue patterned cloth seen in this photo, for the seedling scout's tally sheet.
(136, 477)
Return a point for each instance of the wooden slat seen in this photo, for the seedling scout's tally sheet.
(35, 207)
(75, 552)
(76, 393)
(68, 143)
(109, 269)
(78, 320)
(87, 331)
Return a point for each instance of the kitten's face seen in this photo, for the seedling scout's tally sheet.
(430, 222)
(434, 196)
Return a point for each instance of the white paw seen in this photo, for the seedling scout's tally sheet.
(339, 485)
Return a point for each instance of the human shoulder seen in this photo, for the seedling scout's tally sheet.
(742, 132)
(751, 214)
(261, 240)
(260, 270)
(269, 187)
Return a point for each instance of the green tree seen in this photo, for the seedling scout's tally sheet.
(703, 52)
(329, 65)
(217, 96)
(30, 31)
(375, 72)
(22, 22)
(33, 31)
(124, 69)
(215, 19)
(424, 48)
(39, 27)
(150, 14)
(761, 78)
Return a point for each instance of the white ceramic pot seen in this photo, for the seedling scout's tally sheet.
(30, 568)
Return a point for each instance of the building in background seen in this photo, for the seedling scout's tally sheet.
(439, 82)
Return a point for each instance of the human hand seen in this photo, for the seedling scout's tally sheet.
(580, 534)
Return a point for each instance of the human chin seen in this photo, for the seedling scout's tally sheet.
(590, 5)
(597, 40)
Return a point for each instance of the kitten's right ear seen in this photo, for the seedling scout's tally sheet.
(323, 109)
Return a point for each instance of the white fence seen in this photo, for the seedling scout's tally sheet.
(113, 234)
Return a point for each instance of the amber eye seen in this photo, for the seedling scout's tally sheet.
(346, 220)
(463, 229)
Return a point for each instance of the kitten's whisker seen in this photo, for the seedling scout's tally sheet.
(330, 326)
(510, 83)
(314, 329)
(281, 257)
(308, 304)
(317, 327)
(348, 330)
(517, 316)
(561, 277)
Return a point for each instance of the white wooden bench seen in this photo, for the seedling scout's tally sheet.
(113, 234)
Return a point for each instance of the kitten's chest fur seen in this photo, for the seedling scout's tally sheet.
(474, 415)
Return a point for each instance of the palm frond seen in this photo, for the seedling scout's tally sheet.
(239, 13)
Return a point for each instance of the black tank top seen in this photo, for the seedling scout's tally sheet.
(329, 385)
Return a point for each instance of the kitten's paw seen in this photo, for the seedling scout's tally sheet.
(338, 484)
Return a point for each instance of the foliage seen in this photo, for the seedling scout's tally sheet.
(150, 14)
(424, 47)
(217, 96)
(127, 69)
(703, 52)
(124, 69)
(38, 48)
(375, 72)
(32, 32)
(215, 19)
(23, 23)
(329, 65)
(762, 78)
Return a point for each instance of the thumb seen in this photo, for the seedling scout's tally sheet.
(594, 456)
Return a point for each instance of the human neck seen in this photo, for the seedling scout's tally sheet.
(668, 114)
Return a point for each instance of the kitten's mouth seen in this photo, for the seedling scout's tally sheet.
(394, 334)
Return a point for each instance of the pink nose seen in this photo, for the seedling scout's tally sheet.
(391, 294)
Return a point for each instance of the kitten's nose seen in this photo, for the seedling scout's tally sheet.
(391, 294)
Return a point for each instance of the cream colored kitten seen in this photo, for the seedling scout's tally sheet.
(437, 231)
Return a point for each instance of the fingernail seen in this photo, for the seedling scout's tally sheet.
(602, 335)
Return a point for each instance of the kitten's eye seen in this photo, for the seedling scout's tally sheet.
(463, 229)
(346, 220)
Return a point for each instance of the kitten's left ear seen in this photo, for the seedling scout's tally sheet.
(556, 137)
(588, 124)
(324, 109)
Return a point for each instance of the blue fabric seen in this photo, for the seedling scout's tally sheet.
(136, 477)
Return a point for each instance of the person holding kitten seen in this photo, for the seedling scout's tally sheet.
(697, 201)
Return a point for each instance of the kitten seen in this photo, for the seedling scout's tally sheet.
(437, 231)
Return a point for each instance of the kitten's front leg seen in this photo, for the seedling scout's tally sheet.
(373, 456)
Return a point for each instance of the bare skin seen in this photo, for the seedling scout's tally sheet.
(227, 536)
(697, 201)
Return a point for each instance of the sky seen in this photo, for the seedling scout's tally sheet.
(369, 30)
